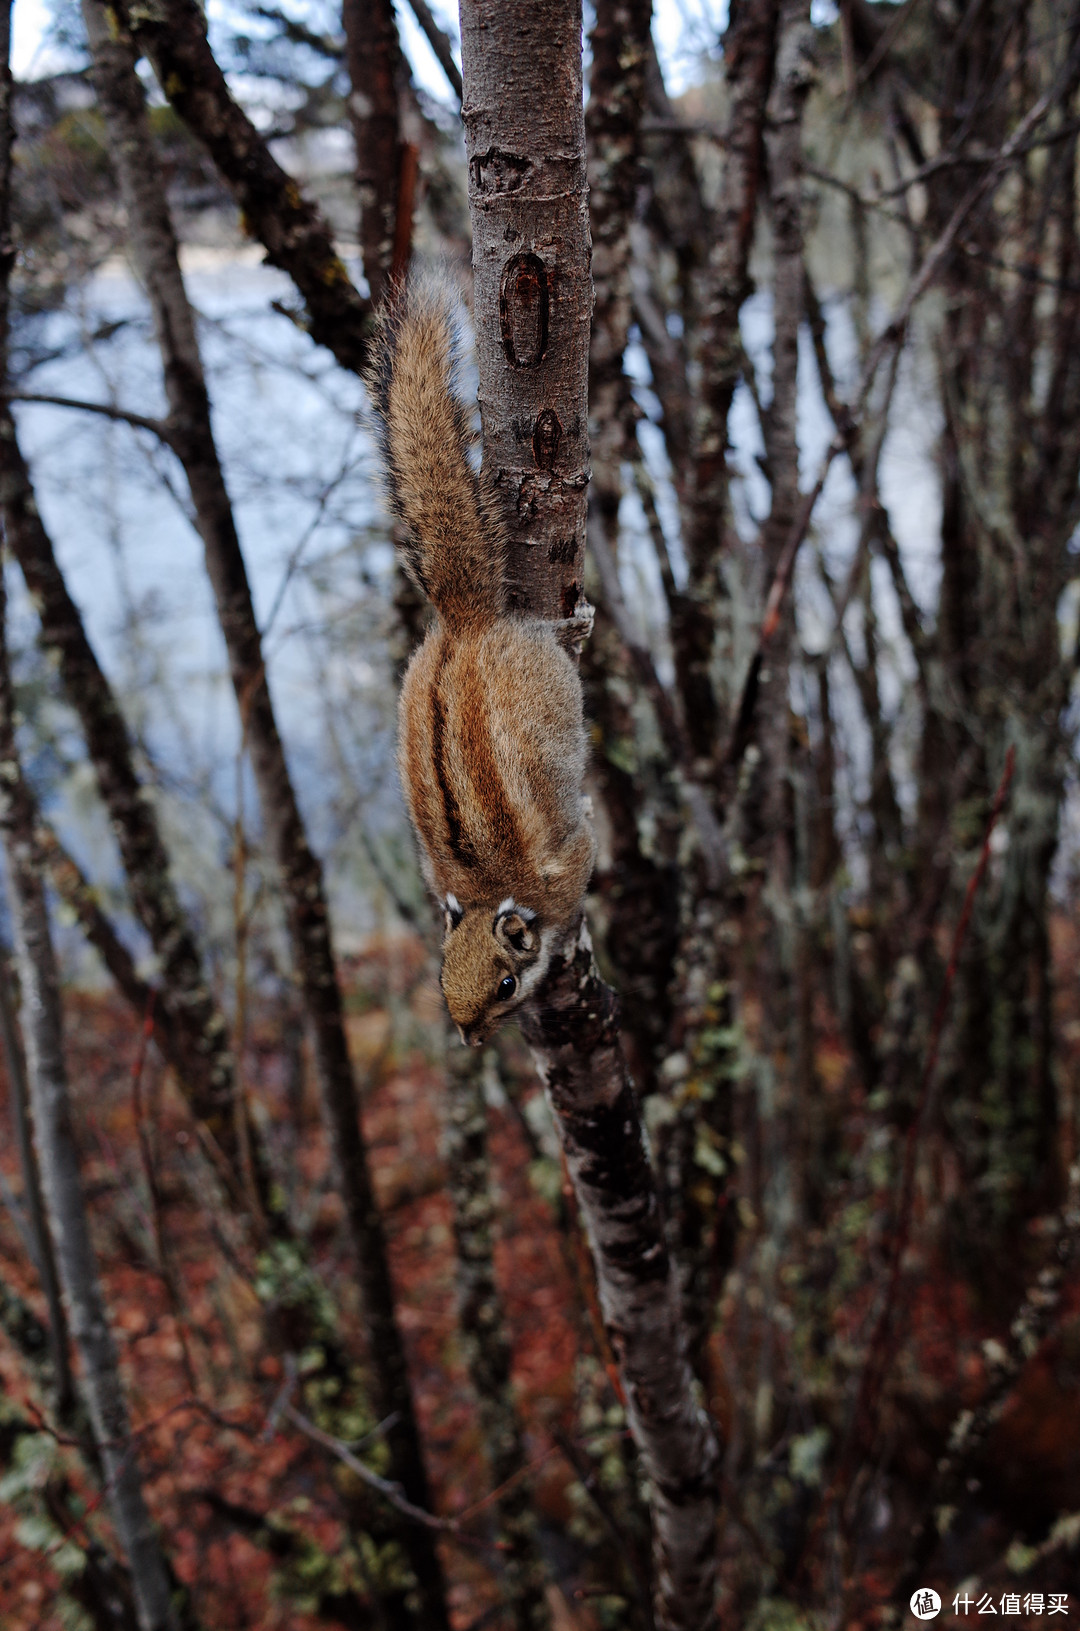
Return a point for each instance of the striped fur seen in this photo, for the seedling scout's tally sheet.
(492, 745)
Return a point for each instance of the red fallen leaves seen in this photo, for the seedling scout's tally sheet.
(215, 1446)
(212, 1470)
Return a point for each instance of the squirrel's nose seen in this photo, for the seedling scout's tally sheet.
(470, 1037)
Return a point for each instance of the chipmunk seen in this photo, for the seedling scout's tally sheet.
(491, 740)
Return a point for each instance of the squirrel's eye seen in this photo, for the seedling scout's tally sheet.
(507, 988)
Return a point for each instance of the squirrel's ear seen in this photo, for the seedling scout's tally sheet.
(454, 912)
(515, 931)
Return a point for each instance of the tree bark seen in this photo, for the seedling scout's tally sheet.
(102, 1586)
(80, 896)
(64, 1385)
(528, 198)
(639, 891)
(486, 1338)
(578, 1053)
(154, 242)
(439, 43)
(525, 145)
(200, 1032)
(621, 44)
(373, 58)
(749, 51)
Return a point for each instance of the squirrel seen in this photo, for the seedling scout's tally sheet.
(491, 737)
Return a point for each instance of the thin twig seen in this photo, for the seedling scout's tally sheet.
(1027, 1331)
(586, 1474)
(389, 1490)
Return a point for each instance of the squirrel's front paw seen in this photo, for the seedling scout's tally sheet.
(572, 632)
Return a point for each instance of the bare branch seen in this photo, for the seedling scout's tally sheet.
(296, 235)
(158, 427)
(439, 42)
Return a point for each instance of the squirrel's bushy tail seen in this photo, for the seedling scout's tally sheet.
(455, 543)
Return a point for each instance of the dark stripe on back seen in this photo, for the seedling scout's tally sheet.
(483, 772)
(459, 843)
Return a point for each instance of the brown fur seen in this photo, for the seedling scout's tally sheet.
(454, 545)
(492, 744)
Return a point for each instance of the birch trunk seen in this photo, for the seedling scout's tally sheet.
(768, 829)
(154, 243)
(101, 1587)
(64, 1203)
(63, 1383)
(525, 144)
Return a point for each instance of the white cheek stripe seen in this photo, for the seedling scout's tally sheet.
(452, 904)
(505, 906)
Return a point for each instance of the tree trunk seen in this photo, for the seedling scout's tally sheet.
(185, 995)
(43, 1029)
(525, 143)
(373, 57)
(154, 243)
(61, 1185)
(749, 51)
(64, 1385)
(486, 1338)
(640, 892)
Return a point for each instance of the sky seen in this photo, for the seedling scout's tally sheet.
(682, 28)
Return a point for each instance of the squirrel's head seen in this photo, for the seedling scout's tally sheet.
(493, 958)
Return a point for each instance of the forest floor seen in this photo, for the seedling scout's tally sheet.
(205, 1392)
